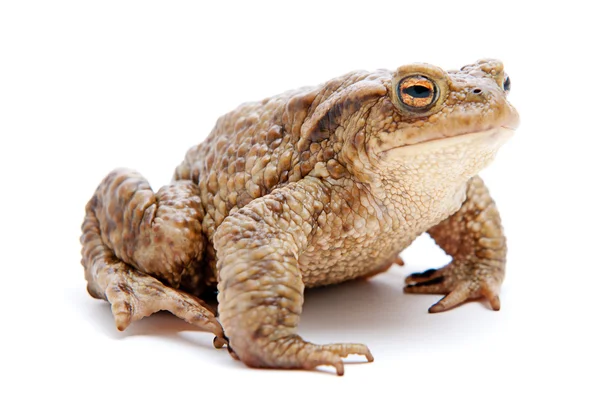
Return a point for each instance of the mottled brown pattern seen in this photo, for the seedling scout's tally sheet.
(309, 188)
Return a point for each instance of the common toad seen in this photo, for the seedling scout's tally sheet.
(310, 188)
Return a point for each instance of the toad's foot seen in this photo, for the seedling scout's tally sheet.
(134, 295)
(459, 281)
(293, 352)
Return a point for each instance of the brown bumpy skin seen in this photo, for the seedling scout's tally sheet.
(310, 188)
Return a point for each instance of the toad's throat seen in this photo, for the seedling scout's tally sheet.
(443, 164)
(487, 140)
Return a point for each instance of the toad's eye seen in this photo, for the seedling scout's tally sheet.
(417, 92)
(507, 84)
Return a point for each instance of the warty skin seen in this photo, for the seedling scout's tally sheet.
(310, 188)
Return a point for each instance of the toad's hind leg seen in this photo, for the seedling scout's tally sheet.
(139, 247)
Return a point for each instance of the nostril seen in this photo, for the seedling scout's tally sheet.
(477, 91)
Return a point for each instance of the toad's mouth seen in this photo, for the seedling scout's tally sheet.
(490, 140)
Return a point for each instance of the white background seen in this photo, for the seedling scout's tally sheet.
(89, 86)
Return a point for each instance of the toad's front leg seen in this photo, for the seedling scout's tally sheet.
(473, 237)
(260, 285)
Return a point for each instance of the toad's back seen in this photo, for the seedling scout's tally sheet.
(261, 146)
(245, 156)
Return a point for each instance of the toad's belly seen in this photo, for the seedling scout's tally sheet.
(353, 258)
(351, 242)
(339, 252)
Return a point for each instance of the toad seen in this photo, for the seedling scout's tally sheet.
(308, 188)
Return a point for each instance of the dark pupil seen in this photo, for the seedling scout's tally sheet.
(418, 91)
(507, 84)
